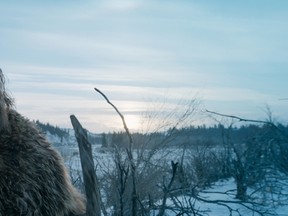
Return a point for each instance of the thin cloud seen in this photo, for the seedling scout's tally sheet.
(121, 5)
(233, 55)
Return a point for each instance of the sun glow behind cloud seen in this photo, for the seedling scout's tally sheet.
(39, 96)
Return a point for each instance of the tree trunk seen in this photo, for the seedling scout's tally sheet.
(240, 178)
(241, 189)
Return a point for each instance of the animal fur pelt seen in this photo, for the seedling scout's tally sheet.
(33, 178)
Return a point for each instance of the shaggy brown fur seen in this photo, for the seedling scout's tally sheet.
(33, 179)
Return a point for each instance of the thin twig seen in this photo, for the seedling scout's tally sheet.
(241, 119)
(119, 113)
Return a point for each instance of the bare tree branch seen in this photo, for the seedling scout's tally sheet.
(119, 113)
(241, 119)
(129, 153)
(166, 189)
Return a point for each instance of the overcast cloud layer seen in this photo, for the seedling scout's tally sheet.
(233, 55)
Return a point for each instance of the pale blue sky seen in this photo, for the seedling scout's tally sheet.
(233, 54)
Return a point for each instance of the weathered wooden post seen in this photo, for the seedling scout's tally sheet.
(89, 175)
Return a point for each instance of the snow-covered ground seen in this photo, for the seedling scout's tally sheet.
(218, 200)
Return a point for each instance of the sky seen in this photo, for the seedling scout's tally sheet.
(232, 55)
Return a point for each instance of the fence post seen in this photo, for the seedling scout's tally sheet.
(93, 207)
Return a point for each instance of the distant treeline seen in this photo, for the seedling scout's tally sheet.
(54, 130)
(191, 136)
